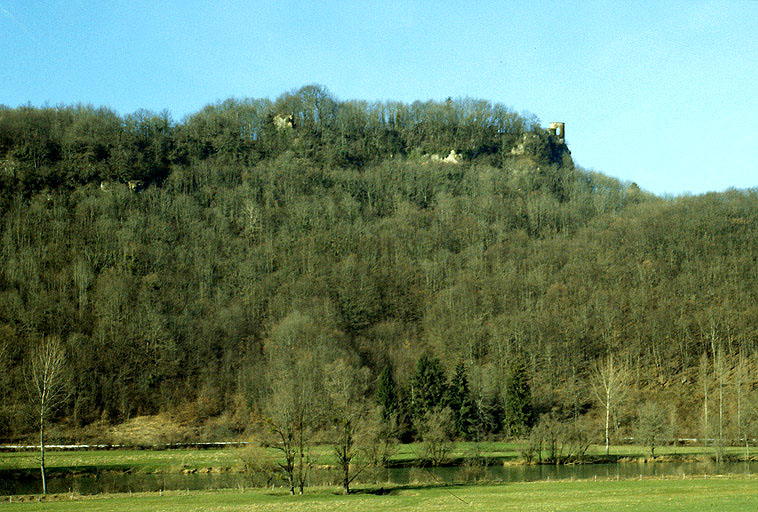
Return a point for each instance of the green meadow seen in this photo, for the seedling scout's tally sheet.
(722, 494)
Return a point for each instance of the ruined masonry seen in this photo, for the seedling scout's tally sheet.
(559, 130)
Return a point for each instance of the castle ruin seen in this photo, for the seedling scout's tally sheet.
(559, 131)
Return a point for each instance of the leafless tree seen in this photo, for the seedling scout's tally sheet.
(46, 384)
(750, 421)
(297, 351)
(609, 386)
(289, 422)
(705, 382)
(435, 427)
(719, 371)
(744, 379)
(346, 388)
(653, 427)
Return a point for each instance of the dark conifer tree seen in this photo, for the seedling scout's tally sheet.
(405, 433)
(386, 394)
(519, 413)
(490, 414)
(462, 404)
(428, 386)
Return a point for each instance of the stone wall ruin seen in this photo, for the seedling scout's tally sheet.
(559, 131)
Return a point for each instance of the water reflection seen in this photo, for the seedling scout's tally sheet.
(119, 482)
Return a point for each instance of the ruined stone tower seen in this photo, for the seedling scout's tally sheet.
(559, 130)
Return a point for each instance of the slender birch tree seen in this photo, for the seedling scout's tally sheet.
(46, 383)
(704, 376)
(609, 385)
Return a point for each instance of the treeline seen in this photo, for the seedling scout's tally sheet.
(262, 243)
(69, 147)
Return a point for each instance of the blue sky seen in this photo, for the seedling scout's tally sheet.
(661, 93)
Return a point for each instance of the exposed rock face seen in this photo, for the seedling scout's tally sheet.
(452, 158)
(132, 185)
(546, 145)
(527, 139)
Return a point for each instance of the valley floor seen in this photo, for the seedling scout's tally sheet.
(723, 494)
(231, 459)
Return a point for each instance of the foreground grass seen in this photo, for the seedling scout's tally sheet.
(230, 459)
(723, 494)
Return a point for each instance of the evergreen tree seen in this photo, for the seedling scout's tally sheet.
(489, 414)
(519, 415)
(405, 432)
(462, 405)
(428, 387)
(386, 394)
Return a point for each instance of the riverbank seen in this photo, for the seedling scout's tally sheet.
(685, 494)
(107, 471)
(231, 458)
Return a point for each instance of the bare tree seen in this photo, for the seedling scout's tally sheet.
(750, 421)
(653, 427)
(346, 388)
(297, 351)
(747, 401)
(705, 382)
(289, 421)
(738, 378)
(46, 383)
(719, 370)
(436, 428)
(608, 380)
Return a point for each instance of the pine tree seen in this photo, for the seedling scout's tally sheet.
(428, 387)
(462, 404)
(490, 414)
(519, 415)
(386, 394)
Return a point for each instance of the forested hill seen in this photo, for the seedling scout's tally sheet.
(188, 265)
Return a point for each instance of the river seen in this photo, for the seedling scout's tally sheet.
(110, 482)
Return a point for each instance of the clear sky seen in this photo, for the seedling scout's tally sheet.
(662, 93)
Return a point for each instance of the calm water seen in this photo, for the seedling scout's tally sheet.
(115, 482)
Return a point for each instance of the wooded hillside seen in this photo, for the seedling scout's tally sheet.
(187, 266)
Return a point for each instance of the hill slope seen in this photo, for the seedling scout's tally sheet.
(326, 229)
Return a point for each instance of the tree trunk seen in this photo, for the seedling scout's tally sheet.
(607, 422)
(291, 478)
(706, 433)
(42, 451)
(346, 480)
(301, 469)
(721, 399)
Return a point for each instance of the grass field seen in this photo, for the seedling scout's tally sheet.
(217, 458)
(173, 461)
(722, 494)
